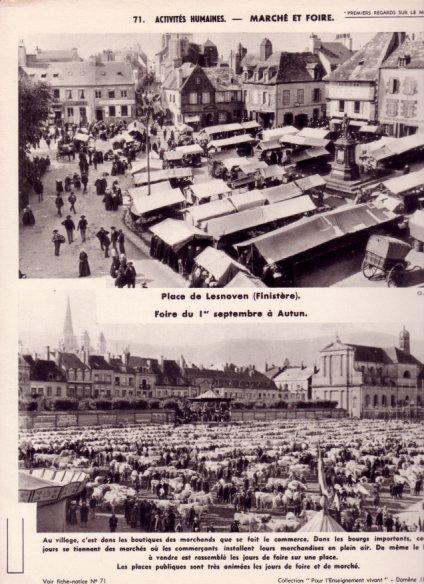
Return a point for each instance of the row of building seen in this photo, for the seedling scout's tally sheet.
(361, 379)
(379, 84)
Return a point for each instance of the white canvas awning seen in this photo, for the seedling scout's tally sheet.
(162, 175)
(209, 189)
(220, 265)
(143, 203)
(176, 234)
(190, 149)
(233, 141)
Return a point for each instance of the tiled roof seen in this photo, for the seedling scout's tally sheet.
(120, 367)
(152, 365)
(283, 67)
(335, 52)
(56, 55)
(412, 47)
(83, 74)
(99, 362)
(71, 361)
(364, 64)
(43, 370)
(222, 79)
(171, 81)
(385, 356)
(244, 377)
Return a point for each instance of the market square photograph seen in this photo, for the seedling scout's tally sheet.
(218, 428)
(188, 160)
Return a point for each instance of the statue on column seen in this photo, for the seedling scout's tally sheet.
(345, 126)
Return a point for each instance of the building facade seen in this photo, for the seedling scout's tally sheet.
(102, 377)
(77, 373)
(401, 89)
(295, 383)
(202, 97)
(352, 88)
(47, 381)
(282, 88)
(370, 381)
(87, 91)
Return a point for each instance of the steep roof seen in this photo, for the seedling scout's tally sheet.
(295, 374)
(171, 374)
(60, 55)
(284, 67)
(414, 47)
(335, 52)
(120, 367)
(364, 64)
(71, 361)
(44, 370)
(152, 365)
(171, 81)
(97, 362)
(242, 377)
(385, 356)
(83, 74)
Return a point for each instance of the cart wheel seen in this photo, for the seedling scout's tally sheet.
(368, 270)
(395, 276)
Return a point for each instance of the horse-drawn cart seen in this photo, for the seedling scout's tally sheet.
(385, 257)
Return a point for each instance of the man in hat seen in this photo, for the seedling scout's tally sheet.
(69, 225)
(130, 275)
(57, 240)
(59, 204)
(121, 241)
(114, 237)
(82, 227)
(103, 236)
(84, 180)
(72, 199)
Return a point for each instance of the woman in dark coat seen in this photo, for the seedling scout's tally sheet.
(84, 267)
(28, 216)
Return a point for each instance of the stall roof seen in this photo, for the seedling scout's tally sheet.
(164, 174)
(369, 129)
(320, 133)
(282, 192)
(209, 188)
(248, 200)
(199, 213)
(177, 233)
(222, 128)
(230, 163)
(243, 280)
(155, 188)
(143, 203)
(124, 136)
(309, 154)
(402, 184)
(276, 133)
(269, 145)
(190, 149)
(416, 225)
(136, 126)
(298, 140)
(399, 146)
(311, 232)
(251, 218)
(252, 125)
(142, 165)
(310, 182)
(273, 171)
(172, 155)
(249, 165)
(234, 140)
(391, 203)
(219, 265)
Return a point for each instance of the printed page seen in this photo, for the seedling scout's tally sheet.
(212, 310)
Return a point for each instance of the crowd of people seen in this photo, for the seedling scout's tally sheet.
(267, 474)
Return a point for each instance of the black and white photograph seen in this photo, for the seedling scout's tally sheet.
(172, 160)
(218, 428)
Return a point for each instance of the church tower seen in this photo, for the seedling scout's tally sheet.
(68, 341)
(85, 341)
(101, 344)
(405, 340)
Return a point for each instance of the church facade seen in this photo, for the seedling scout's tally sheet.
(369, 381)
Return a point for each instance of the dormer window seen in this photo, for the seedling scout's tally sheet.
(404, 60)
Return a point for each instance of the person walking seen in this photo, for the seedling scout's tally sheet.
(57, 240)
(114, 234)
(72, 199)
(39, 189)
(69, 225)
(59, 204)
(84, 266)
(28, 216)
(113, 523)
(121, 241)
(130, 275)
(100, 236)
(106, 243)
(84, 180)
(82, 227)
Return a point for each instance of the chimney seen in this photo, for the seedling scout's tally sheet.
(345, 39)
(127, 357)
(108, 358)
(48, 353)
(314, 43)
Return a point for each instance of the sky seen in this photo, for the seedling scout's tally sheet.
(88, 44)
(41, 321)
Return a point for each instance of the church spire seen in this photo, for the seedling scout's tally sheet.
(69, 339)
